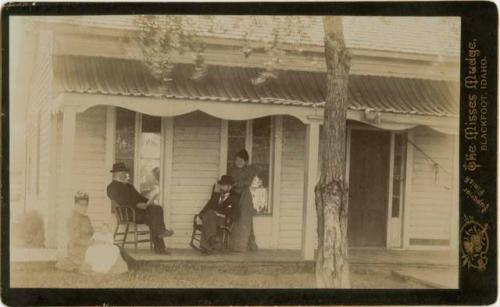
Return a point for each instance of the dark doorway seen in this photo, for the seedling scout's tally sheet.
(368, 187)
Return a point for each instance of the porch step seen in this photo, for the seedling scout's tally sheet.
(434, 278)
(240, 268)
(262, 261)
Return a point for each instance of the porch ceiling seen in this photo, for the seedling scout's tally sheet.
(99, 75)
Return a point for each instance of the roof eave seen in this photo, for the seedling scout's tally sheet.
(314, 49)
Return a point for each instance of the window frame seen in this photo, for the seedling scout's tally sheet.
(401, 172)
(249, 147)
(115, 135)
(137, 151)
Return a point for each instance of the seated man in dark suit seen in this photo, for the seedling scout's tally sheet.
(222, 204)
(125, 194)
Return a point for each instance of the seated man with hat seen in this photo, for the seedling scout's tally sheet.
(222, 204)
(125, 194)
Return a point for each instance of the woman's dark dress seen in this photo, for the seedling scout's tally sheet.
(242, 235)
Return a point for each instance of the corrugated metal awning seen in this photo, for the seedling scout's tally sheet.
(233, 84)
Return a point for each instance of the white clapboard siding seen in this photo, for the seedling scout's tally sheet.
(38, 129)
(90, 173)
(262, 226)
(195, 167)
(292, 184)
(431, 197)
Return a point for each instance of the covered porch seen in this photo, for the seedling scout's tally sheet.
(225, 97)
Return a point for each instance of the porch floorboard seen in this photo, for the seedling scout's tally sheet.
(382, 256)
(357, 256)
(268, 256)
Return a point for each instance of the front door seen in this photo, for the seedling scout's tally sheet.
(368, 187)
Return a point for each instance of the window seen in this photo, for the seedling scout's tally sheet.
(237, 131)
(398, 174)
(125, 139)
(261, 146)
(255, 136)
(138, 137)
(150, 157)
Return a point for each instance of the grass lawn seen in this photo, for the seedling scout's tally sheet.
(160, 276)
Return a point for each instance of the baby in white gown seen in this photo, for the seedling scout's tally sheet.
(259, 195)
(103, 256)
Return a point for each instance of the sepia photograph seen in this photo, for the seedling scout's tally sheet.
(235, 151)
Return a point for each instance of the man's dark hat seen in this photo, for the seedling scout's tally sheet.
(119, 167)
(226, 179)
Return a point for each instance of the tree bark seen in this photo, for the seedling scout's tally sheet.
(331, 193)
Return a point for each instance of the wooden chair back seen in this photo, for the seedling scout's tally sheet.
(123, 214)
(125, 217)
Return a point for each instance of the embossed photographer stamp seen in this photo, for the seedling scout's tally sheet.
(475, 244)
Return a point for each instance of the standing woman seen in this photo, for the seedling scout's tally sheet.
(242, 235)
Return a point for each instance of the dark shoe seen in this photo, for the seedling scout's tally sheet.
(196, 248)
(206, 252)
(206, 249)
(252, 247)
(217, 246)
(166, 233)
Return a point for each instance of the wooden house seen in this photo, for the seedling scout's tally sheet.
(93, 102)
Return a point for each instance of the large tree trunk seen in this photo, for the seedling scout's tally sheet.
(332, 268)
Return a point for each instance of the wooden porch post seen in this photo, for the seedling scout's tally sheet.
(51, 235)
(66, 185)
(223, 147)
(109, 156)
(408, 189)
(166, 173)
(276, 175)
(389, 229)
(310, 180)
